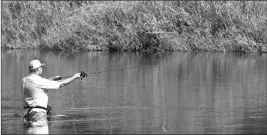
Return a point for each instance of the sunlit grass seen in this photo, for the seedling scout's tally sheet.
(136, 25)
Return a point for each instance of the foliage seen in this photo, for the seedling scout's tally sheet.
(135, 25)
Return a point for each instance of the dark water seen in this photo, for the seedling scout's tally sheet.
(164, 93)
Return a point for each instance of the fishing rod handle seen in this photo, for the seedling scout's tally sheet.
(83, 74)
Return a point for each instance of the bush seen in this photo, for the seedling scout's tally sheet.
(135, 25)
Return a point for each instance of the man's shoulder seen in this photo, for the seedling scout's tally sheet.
(26, 77)
(32, 77)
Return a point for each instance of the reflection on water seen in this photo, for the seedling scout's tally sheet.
(43, 129)
(167, 92)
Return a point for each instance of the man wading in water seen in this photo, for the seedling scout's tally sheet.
(35, 90)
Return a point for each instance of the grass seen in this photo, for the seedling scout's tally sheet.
(135, 25)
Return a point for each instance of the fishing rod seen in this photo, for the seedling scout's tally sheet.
(83, 74)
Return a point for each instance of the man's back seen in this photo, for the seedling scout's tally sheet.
(34, 94)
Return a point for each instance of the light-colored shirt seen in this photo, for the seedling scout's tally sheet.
(35, 90)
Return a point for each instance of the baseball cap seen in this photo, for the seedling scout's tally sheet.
(35, 64)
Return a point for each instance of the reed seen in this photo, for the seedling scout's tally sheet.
(135, 25)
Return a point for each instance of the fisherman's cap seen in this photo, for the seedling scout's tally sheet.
(35, 64)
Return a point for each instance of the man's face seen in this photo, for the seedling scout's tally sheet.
(40, 69)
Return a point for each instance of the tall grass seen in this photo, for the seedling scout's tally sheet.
(136, 25)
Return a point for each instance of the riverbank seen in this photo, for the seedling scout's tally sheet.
(135, 25)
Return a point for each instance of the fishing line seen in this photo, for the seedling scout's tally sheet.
(102, 71)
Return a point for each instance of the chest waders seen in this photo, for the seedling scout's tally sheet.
(48, 111)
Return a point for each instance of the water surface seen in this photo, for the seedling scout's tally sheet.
(167, 92)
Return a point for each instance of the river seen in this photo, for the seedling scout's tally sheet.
(164, 92)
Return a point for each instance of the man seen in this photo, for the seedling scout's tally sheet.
(35, 90)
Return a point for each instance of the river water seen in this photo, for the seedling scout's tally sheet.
(166, 92)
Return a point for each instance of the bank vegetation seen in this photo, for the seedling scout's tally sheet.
(135, 25)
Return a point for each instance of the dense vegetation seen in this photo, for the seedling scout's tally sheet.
(135, 25)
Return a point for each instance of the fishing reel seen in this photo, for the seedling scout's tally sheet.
(83, 74)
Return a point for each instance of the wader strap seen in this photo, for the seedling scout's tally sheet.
(49, 112)
(30, 108)
(35, 107)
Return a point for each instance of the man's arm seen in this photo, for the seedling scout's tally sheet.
(69, 80)
(55, 78)
(48, 84)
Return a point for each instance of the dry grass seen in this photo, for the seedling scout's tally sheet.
(136, 25)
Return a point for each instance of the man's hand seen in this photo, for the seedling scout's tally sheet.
(80, 75)
(77, 75)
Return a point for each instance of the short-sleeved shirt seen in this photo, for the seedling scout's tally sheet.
(35, 90)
